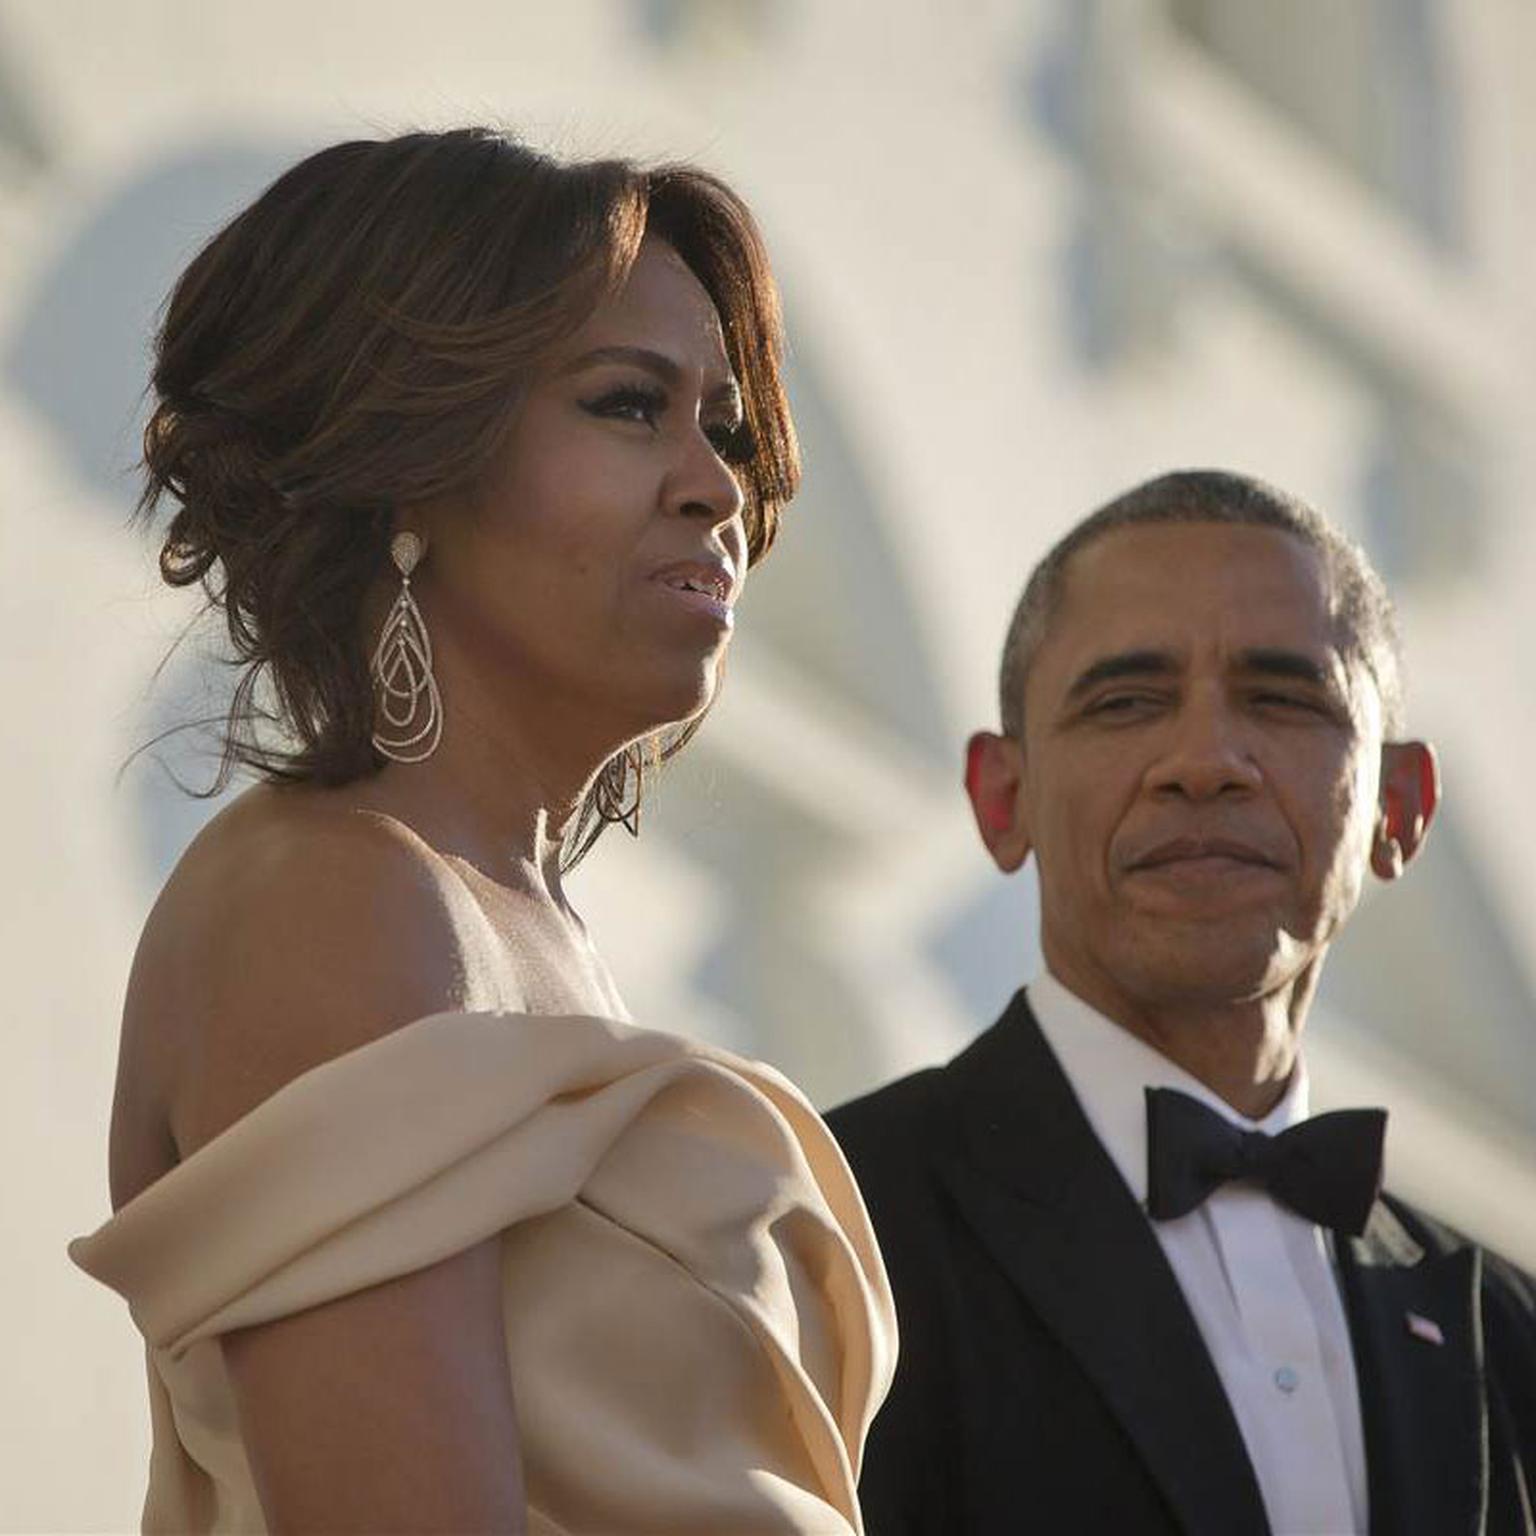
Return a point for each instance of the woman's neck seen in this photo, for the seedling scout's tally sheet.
(493, 800)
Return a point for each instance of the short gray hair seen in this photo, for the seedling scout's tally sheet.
(1361, 602)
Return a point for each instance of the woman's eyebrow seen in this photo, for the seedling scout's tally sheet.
(667, 369)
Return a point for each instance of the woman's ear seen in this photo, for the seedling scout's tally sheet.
(1410, 795)
(994, 781)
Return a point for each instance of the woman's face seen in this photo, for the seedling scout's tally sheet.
(592, 584)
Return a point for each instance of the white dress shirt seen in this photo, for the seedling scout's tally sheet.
(1258, 1278)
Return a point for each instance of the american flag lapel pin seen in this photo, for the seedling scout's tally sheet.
(1425, 1328)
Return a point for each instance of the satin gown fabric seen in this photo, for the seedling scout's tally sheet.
(698, 1323)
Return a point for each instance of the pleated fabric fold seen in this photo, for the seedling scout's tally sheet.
(698, 1323)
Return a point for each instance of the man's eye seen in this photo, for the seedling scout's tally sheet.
(1294, 701)
(1122, 703)
(628, 403)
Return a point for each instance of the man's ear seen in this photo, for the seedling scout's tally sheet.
(994, 780)
(1410, 793)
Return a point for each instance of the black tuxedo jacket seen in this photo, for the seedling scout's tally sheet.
(1052, 1378)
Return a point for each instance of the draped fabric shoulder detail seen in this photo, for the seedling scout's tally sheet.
(633, 1175)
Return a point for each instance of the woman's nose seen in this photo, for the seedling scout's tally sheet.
(704, 484)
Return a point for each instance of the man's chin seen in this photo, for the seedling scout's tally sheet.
(1231, 959)
(1205, 892)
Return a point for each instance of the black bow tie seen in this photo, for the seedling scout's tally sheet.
(1327, 1169)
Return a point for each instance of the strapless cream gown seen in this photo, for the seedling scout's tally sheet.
(698, 1323)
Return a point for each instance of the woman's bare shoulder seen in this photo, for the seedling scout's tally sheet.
(297, 927)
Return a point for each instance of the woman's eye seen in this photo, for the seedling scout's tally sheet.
(628, 403)
(729, 440)
(646, 406)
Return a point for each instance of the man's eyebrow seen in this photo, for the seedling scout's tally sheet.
(1124, 664)
(1296, 665)
(658, 363)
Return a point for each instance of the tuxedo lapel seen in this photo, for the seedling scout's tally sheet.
(1046, 1201)
(1418, 1353)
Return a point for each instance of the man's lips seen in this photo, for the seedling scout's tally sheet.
(1197, 850)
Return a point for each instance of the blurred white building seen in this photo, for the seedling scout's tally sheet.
(1033, 251)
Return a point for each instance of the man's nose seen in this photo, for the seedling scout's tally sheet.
(1207, 755)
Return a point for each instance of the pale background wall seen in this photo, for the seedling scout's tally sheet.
(1033, 250)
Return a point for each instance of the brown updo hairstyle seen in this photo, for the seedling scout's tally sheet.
(355, 341)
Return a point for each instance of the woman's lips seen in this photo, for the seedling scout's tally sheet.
(706, 586)
(702, 602)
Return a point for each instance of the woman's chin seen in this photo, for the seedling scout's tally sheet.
(677, 699)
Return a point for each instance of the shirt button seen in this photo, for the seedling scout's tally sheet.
(1287, 1380)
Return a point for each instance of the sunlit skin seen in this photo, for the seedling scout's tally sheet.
(1203, 785)
(554, 642)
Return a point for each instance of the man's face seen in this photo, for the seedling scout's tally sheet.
(1200, 764)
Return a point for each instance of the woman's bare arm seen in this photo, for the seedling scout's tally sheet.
(386, 1411)
(389, 1410)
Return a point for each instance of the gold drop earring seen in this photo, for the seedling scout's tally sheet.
(407, 706)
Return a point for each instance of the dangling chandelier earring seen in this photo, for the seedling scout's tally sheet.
(619, 788)
(408, 707)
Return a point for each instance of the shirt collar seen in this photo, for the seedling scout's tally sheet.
(1108, 1068)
